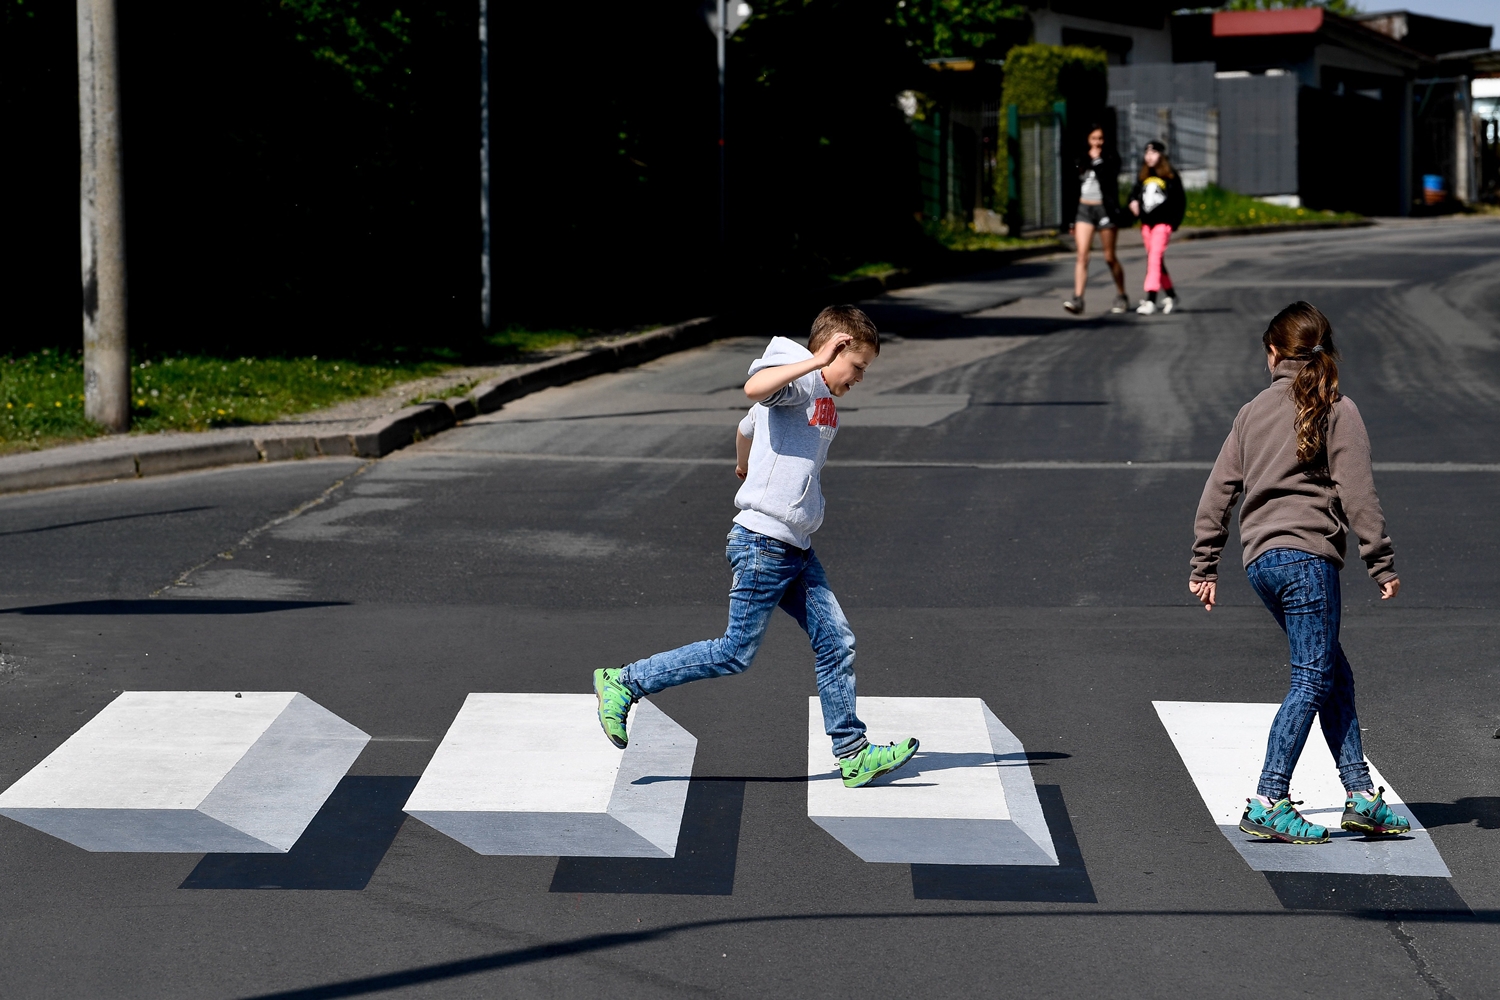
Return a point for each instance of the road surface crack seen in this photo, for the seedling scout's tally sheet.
(1424, 971)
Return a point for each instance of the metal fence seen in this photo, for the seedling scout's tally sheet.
(1190, 132)
(1038, 177)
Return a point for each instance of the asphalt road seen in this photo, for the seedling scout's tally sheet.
(986, 539)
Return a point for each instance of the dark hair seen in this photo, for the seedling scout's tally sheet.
(1163, 167)
(1301, 333)
(844, 319)
(1092, 128)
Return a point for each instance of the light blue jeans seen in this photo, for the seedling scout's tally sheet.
(1302, 591)
(769, 573)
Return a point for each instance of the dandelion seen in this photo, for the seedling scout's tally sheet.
(57, 402)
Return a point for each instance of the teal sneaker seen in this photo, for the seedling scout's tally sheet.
(615, 700)
(874, 760)
(1281, 822)
(1372, 817)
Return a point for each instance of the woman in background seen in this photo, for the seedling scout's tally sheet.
(1098, 208)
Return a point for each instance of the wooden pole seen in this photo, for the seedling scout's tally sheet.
(106, 354)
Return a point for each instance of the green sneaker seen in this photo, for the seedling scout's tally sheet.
(874, 760)
(615, 700)
(1372, 817)
(1281, 822)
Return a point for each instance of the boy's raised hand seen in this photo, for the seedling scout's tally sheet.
(1206, 591)
(831, 348)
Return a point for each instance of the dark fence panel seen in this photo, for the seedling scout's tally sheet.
(1258, 134)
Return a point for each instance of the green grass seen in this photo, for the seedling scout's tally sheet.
(1215, 206)
(956, 235)
(41, 394)
(516, 339)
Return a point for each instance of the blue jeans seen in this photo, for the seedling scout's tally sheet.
(768, 573)
(1302, 591)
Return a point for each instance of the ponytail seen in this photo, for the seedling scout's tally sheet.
(1302, 333)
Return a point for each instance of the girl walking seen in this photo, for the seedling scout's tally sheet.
(1299, 454)
(1096, 194)
(1158, 200)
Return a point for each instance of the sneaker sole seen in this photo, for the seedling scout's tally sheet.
(1267, 833)
(1355, 823)
(599, 697)
(882, 772)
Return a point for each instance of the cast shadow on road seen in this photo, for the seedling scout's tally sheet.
(1401, 894)
(594, 943)
(708, 844)
(180, 606)
(102, 520)
(1481, 810)
(340, 849)
(1065, 882)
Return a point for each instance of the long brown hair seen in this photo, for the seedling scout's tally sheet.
(1163, 169)
(1300, 332)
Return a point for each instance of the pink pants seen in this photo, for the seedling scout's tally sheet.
(1155, 238)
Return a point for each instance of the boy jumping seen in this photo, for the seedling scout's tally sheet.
(780, 447)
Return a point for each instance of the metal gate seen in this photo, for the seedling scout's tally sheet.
(1037, 174)
(1190, 132)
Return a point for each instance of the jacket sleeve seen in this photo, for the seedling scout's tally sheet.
(1109, 186)
(1221, 491)
(1176, 206)
(1136, 190)
(1349, 467)
(798, 392)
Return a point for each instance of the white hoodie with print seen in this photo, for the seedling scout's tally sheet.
(789, 435)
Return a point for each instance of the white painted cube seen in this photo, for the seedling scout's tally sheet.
(533, 774)
(1223, 745)
(967, 798)
(191, 772)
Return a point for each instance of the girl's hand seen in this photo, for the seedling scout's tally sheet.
(1390, 589)
(1206, 591)
(1071, 227)
(740, 472)
(1135, 208)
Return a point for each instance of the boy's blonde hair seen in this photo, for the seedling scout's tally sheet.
(844, 319)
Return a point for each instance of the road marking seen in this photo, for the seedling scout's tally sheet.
(531, 774)
(967, 798)
(1061, 465)
(189, 771)
(1223, 745)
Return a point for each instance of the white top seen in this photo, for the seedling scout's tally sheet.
(1091, 191)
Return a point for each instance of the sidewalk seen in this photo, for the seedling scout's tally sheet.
(364, 428)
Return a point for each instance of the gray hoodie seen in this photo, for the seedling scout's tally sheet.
(789, 435)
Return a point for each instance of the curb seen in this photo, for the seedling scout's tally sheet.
(1213, 232)
(75, 465)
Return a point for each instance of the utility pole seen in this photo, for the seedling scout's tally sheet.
(486, 289)
(106, 354)
(724, 18)
(719, 35)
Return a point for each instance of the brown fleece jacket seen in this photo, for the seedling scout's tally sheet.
(1289, 504)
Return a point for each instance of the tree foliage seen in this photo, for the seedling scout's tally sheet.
(938, 29)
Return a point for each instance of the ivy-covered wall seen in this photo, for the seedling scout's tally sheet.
(1037, 76)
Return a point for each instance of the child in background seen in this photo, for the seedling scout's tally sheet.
(1158, 200)
(780, 447)
(1300, 455)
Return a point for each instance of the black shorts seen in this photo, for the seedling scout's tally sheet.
(1094, 215)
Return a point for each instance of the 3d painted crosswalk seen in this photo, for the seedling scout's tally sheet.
(189, 771)
(530, 774)
(1223, 745)
(966, 799)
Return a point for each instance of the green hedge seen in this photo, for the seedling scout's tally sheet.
(1038, 76)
